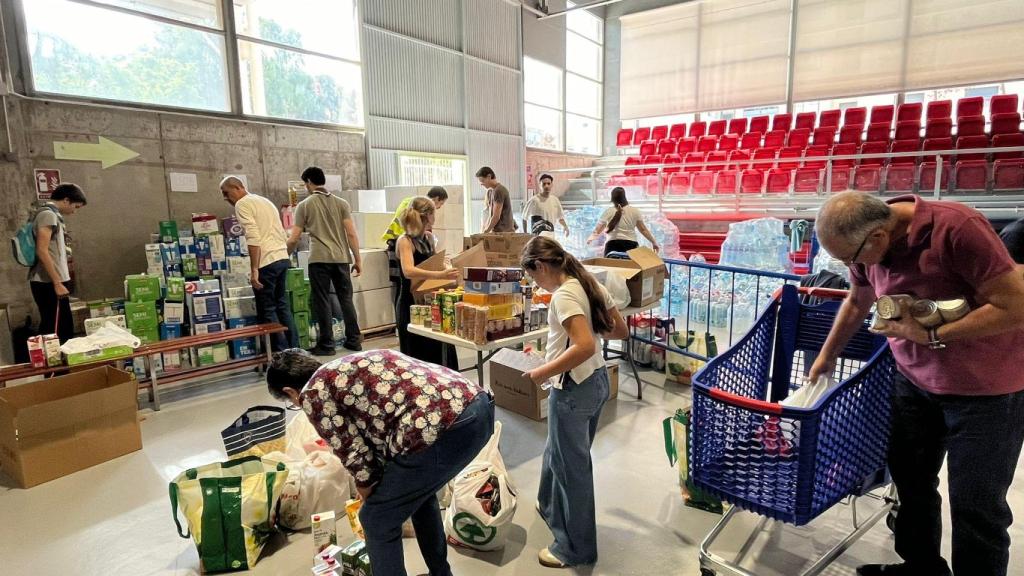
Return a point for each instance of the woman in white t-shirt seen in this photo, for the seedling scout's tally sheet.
(581, 312)
(622, 222)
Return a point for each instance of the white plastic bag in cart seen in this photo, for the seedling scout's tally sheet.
(317, 483)
(483, 501)
(808, 395)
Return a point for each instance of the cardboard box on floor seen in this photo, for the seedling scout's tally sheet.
(54, 427)
(644, 273)
(503, 249)
(613, 381)
(512, 391)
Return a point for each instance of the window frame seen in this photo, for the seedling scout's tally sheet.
(24, 77)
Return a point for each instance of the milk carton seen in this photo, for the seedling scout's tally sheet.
(325, 531)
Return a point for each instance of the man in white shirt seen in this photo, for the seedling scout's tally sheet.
(543, 210)
(268, 257)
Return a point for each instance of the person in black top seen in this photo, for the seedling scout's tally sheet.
(1013, 237)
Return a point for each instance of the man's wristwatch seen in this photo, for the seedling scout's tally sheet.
(933, 340)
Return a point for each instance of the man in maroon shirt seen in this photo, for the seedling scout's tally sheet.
(959, 393)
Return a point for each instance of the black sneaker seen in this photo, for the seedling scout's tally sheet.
(898, 570)
(321, 351)
(355, 347)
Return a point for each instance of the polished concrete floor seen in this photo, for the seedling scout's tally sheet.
(116, 519)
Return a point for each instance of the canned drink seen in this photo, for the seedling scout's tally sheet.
(892, 307)
(953, 310)
(926, 313)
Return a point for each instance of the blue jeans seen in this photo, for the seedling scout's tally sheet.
(272, 304)
(409, 488)
(980, 438)
(566, 494)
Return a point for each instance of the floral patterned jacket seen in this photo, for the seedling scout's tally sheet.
(373, 406)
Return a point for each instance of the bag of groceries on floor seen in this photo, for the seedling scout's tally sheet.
(677, 437)
(316, 483)
(259, 431)
(301, 438)
(483, 501)
(681, 368)
(229, 508)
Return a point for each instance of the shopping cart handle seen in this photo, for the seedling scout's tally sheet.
(744, 402)
(823, 293)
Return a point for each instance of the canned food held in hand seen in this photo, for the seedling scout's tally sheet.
(893, 307)
(926, 313)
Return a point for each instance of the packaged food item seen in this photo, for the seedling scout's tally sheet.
(363, 567)
(352, 508)
(893, 307)
(926, 313)
(435, 311)
(492, 287)
(492, 274)
(350, 556)
(325, 531)
(36, 352)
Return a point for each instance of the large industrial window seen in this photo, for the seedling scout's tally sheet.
(543, 110)
(296, 60)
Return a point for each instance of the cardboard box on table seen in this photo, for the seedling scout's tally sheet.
(513, 391)
(473, 258)
(503, 249)
(644, 273)
(54, 427)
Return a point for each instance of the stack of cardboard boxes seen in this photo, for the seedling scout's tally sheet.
(240, 311)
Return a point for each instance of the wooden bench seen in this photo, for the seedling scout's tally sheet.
(260, 331)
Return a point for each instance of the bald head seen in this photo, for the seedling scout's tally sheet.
(232, 189)
(849, 216)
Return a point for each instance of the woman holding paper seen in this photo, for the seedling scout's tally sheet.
(581, 313)
(415, 247)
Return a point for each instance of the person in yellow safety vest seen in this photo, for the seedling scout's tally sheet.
(439, 195)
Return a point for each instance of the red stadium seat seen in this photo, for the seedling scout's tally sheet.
(873, 148)
(778, 181)
(727, 181)
(693, 162)
(686, 145)
(676, 162)
(717, 127)
(698, 129)
(1005, 123)
(971, 175)
(667, 146)
(974, 106)
(650, 160)
(926, 172)
(678, 184)
(899, 176)
(798, 137)
(648, 147)
(907, 130)
(751, 181)
(782, 122)
(737, 126)
(704, 180)
(805, 121)
(844, 150)
(825, 135)
(882, 115)
(624, 137)
(970, 126)
(1003, 104)
(707, 143)
(632, 161)
(677, 131)
(807, 180)
(850, 134)
(840, 178)
(728, 142)
(969, 142)
(1007, 141)
(763, 154)
(878, 132)
(1008, 174)
(938, 128)
(789, 158)
(855, 117)
(750, 140)
(867, 177)
(830, 118)
(939, 109)
(900, 146)
(775, 139)
(659, 132)
(758, 124)
(641, 134)
(739, 160)
(909, 111)
(816, 151)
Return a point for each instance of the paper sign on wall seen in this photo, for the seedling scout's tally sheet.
(184, 182)
(333, 184)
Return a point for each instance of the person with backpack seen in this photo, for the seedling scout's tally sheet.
(581, 313)
(49, 278)
(543, 210)
(621, 221)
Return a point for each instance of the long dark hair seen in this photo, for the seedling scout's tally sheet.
(619, 200)
(543, 249)
(291, 368)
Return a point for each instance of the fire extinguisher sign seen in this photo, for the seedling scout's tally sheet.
(46, 180)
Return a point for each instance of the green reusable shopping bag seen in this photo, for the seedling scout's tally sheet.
(677, 436)
(230, 509)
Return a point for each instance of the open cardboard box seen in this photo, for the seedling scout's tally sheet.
(54, 427)
(644, 273)
(472, 258)
(503, 249)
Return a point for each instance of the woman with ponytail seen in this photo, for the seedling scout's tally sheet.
(622, 222)
(413, 248)
(580, 314)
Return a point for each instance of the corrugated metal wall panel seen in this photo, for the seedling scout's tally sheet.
(492, 98)
(411, 81)
(414, 136)
(498, 40)
(434, 21)
(383, 166)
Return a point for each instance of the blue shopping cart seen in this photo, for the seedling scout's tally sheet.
(786, 463)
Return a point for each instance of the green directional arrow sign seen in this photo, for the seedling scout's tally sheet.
(107, 152)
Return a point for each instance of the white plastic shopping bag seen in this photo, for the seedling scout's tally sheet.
(483, 501)
(318, 483)
(808, 395)
(302, 438)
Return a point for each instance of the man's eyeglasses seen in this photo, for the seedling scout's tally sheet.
(852, 259)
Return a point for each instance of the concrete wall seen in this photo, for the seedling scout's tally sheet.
(128, 200)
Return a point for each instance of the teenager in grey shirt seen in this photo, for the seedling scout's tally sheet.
(50, 278)
(499, 206)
